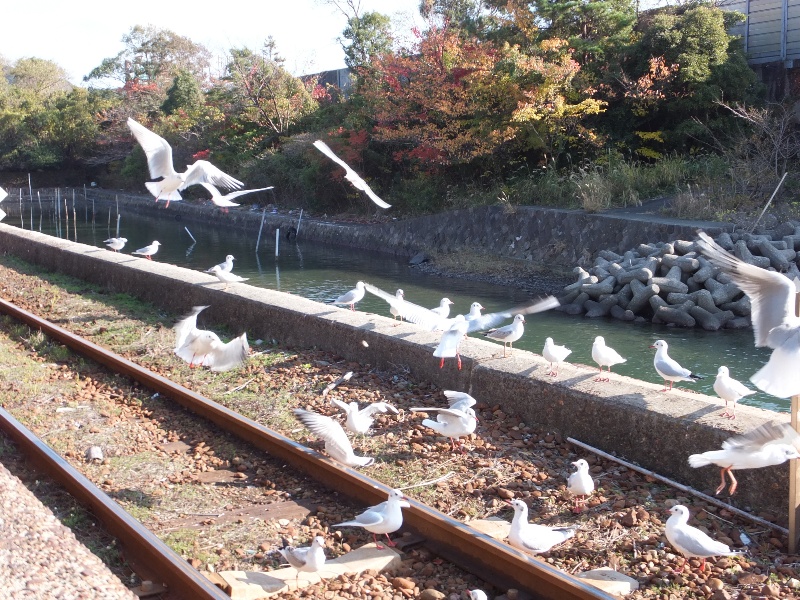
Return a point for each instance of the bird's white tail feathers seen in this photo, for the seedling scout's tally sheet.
(435, 425)
(780, 376)
(698, 460)
(155, 189)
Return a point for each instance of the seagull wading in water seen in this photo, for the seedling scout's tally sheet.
(148, 251)
(224, 202)
(305, 560)
(351, 175)
(731, 390)
(775, 325)
(450, 422)
(116, 244)
(533, 538)
(359, 421)
(580, 484)
(508, 334)
(668, 368)
(766, 445)
(191, 343)
(690, 541)
(337, 445)
(385, 518)
(605, 356)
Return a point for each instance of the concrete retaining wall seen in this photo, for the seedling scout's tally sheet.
(626, 417)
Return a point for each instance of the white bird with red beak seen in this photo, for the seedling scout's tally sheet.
(690, 541)
(384, 518)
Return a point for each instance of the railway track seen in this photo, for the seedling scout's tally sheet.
(477, 553)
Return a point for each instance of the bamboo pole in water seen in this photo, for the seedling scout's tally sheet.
(260, 227)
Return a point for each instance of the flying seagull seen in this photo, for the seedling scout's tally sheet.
(337, 445)
(224, 202)
(159, 162)
(191, 343)
(351, 175)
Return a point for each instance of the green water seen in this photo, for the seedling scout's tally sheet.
(323, 272)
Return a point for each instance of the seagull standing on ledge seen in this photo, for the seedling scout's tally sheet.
(306, 560)
(226, 266)
(728, 388)
(508, 334)
(225, 277)
(555, 355)
(148, 251)
(116, 244)
(668, 368)
(351, 297)
(605, 356)
(159, 162)
(385, 518)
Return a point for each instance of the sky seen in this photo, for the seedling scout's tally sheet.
(79, 35)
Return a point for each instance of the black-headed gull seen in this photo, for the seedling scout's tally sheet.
(730, 390)
(226, 277)
(479, 322)
(400, 295)
(159, 162)
(337, 445)
(668, 368)
(580, 484)
(555, 355)
(385, 518)
(605, 356)
(116, 244)
(690, 541)
(408, 311)
(766, 445)
(352, 297)
(226, 266)
(772, 312)
(192, 343)
(451, 340)
(450, 422)
(443, 310)
(533, 538)
(508, 334)
(148, 251)
(459, 400)
(224, 202)
(477, 595)
(351, 175)
(359, 421)
(306, 560)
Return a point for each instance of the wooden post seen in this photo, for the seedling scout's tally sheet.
(794, 471)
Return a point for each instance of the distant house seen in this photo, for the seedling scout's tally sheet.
(771, 38)
(339, 78)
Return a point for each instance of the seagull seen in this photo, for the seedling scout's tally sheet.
(351, 175)
(443, 310)
(775, 325)
(459, 400)
(336, 443)
(451, 340)
(728, 388)
(148, 251)
(307, 560)
(400, 295)
(191, 342)
(385, 518)
(224, 276)
(3, 194)
(359, 421)
(478, 322)
(225, 267)
(351, 297)
(668, 368)
(766, 445)
(605, 356)
(224, 202)
(450, 422)
(508, 334)
(159, 162)
(690, 541)
(580, 483)
(116, 244)
(477, 595)
(531, 537)
(555, 355)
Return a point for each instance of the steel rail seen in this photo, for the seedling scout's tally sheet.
(477, 553)
(149, 556)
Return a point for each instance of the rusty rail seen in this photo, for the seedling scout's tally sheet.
(475, 552)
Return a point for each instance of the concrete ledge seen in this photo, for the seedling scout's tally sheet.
(626, 417)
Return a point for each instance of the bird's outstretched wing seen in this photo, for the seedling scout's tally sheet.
(203, 171)
(156, 148)
(186, 326)
(413, 313)
(229, 356)
(768, 433)
(325, 428)
(351, 175)
(490, 320)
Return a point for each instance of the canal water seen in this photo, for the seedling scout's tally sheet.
(323, 272)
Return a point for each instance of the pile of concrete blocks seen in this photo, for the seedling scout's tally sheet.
(672, 283)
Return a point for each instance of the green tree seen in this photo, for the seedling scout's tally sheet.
(365, 37)
(184, 94)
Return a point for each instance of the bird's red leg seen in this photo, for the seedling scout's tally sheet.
(390, 542)
(721, 482)
(702, 564)
(441, 363)
(377, 544)
(734, 483)
(149, 257)
(458, 357)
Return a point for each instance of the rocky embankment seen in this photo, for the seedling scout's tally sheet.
(672, 283)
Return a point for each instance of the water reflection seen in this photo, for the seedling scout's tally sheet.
(322, 272)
